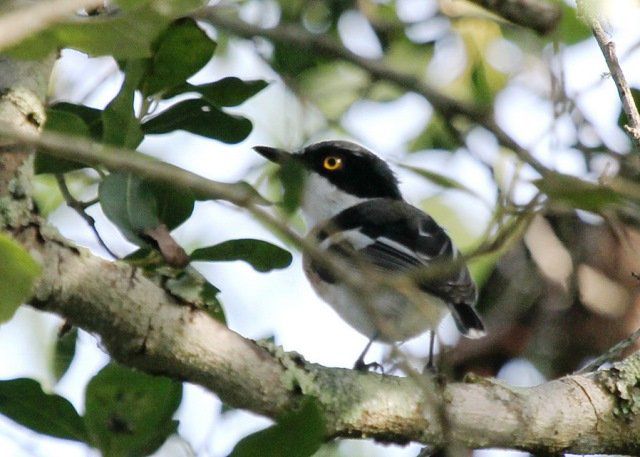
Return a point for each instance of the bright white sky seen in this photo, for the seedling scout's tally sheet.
(281, 303)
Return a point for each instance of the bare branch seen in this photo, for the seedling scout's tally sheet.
(539, 15)
(608, 49)
(91, 153)
(23, 22)
(612, 353)
(80, 208)
(323, 45)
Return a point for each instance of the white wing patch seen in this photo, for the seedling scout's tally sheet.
(354, 237)
(422, 231)
(399, 247)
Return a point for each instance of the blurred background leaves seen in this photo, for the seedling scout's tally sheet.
(555, 252)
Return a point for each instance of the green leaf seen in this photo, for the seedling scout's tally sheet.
(123, 36)
(261, 255)
(18, 271)
(202, 118)
(437, 135)
(187, 284)
(571, 28)
(292, 176)
(135, 204)
(482, 91)
(192, 287)
(119, 122)
(230, 91)
(182, 50)
(578, 193)
(92, 117)
(291, 61)
(64, 351)
(334, 87)
(297, 434)
(46, 194)
(129, 413)
(129, 204)
(67, 123)
(127, 34)
(23, 401)
(174, 206)
(46, 191)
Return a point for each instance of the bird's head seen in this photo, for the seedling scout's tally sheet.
(340, 174)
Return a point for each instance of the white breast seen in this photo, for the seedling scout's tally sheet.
(322, 200)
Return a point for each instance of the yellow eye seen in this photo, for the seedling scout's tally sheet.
(332, 163)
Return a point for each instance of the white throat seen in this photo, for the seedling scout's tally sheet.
(322, 200)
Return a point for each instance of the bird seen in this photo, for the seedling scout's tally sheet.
(353, 207)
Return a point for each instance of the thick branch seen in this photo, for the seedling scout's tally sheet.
(143, 326)
(539, 15)
(290, 35)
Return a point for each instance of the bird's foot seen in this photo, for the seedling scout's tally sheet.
(430, 368)
(360, 365)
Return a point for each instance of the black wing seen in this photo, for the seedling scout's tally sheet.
(397, 237)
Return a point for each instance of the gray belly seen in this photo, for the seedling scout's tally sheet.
(387, 313)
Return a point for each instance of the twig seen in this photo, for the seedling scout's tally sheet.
(23, 22)
(79, 207)
(611, 353)
(117, 159)
(89, 203)
(538, 15)
(91, 153)
(323, 45)
(608, 49)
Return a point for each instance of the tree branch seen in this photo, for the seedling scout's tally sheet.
(539, 15)
(142, 326)
(608, 49)
(323, 45)
(80, 208)
(145, 327)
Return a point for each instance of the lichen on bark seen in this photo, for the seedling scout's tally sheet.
(623, 381)
(23, 87)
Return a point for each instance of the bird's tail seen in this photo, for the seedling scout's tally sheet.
(467, 320)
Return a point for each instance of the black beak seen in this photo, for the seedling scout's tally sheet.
(273, 154)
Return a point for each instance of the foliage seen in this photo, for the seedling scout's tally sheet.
(18, 272)
(298, 433)
(162, 53)
(129, 413)
(24, 401)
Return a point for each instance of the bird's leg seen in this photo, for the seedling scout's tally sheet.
(430, 366)
(360, 365)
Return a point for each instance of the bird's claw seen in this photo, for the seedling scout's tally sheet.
(365, 367)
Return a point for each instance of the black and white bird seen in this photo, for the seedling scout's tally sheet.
(353, 206)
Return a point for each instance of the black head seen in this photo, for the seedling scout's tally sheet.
(348, 166)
